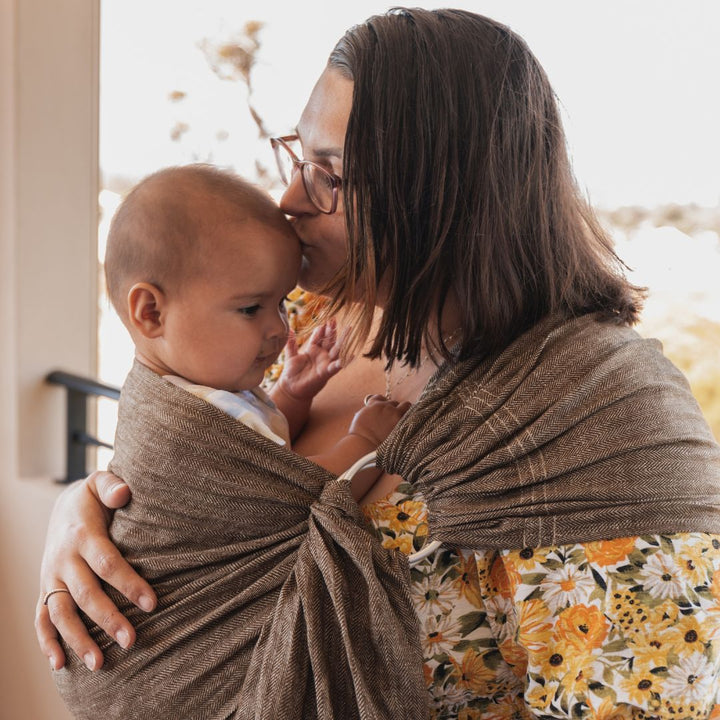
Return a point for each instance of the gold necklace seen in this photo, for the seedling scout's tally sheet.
(390, 385)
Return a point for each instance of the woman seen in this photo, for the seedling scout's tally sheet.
(558, 457)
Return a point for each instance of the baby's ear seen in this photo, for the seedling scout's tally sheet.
(146, 307)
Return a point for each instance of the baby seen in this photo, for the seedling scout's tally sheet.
(198, 265)
(225, 520)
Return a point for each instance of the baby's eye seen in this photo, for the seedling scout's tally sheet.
(249, 311)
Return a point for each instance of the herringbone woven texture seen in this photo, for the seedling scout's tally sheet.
(580, 430)
(274, 600)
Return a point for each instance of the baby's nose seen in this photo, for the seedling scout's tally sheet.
(278, 328)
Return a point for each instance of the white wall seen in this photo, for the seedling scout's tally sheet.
(48, 186)
(56, 216)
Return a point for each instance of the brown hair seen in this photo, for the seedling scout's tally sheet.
(160, 233)
(456, 176)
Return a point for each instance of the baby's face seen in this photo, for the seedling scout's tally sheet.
(226, 326)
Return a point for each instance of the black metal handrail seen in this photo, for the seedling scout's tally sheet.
(79, 391)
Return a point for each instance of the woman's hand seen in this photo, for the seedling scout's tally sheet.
(78, 553)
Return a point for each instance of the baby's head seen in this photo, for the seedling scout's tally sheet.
(198, 264)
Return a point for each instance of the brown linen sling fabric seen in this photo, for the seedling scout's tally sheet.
(580, 430)
(263, 568)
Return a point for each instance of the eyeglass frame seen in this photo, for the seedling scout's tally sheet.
(335, 180)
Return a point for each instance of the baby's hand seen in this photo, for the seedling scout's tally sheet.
(377, 419)
(307, 371)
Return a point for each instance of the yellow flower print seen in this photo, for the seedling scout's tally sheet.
(515, 656)
(650, 650)
(380, 513)
(664, 615)
(565, 663)
(715, 587)
(688, 636)
(534, 625)
(628, 612)
(406, 516)
(539, 696)
(471, 673)
(609, 710)
(582, 627)
(506, 708)
(695, 564)
(402, 543)
(715, 713)
(467, 583)
(503, 578)
(609, 552)
(527, 559)
(643, 688)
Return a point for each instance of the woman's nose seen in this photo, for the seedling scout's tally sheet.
(295, 200)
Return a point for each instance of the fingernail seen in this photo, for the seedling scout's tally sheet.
(123, 638)
(146, 603)
(89, 659)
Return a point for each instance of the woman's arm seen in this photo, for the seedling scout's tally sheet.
(78, 547)
(77, 554)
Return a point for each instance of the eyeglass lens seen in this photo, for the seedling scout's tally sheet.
(317, 182)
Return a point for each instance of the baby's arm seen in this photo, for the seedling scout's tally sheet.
(370, 426)
(306, 373)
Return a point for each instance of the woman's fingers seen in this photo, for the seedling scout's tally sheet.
(62, 614)
(78, 550)
(83, 541)
(109, 489)
(106, 562)
(47, 636)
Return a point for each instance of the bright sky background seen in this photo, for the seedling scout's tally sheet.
(638, 80)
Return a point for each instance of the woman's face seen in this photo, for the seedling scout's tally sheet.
(322, 135)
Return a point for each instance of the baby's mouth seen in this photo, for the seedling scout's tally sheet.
(267, 359)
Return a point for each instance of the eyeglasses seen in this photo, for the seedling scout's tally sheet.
(320, 185)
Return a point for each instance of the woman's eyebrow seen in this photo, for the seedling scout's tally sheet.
(328, 152)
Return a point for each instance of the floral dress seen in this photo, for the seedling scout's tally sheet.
(616, 629)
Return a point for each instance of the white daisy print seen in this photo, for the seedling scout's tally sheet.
(662, 577)
(690, 679)
(501, 617)
(441, 634)
(566, 586)
(434, 595)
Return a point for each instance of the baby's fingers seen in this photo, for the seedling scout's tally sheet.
(291, 348)
(330, 334)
